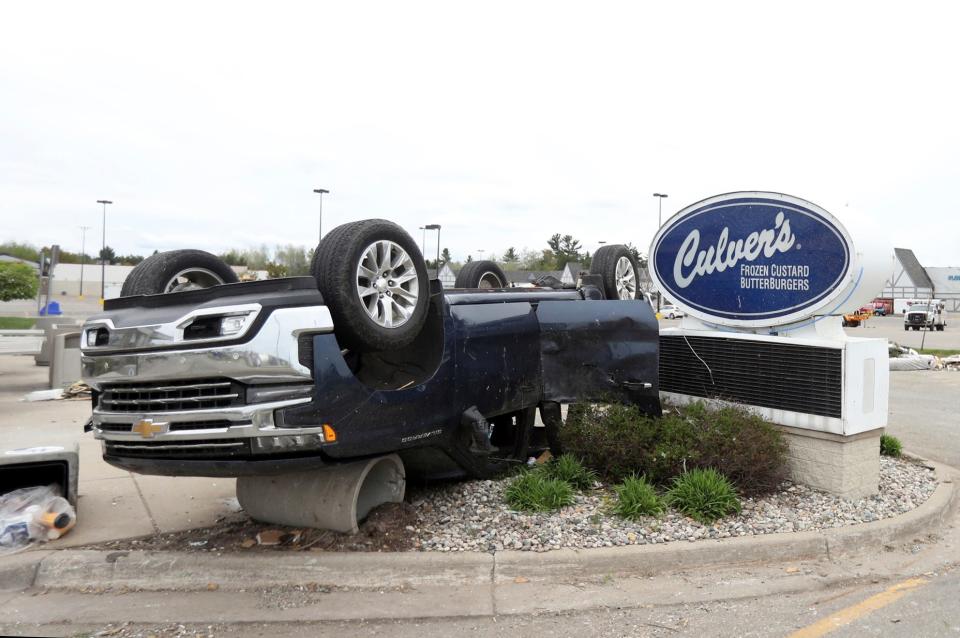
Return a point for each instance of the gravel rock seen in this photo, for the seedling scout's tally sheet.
(473, 516)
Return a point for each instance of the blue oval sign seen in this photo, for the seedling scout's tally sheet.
(751, 259)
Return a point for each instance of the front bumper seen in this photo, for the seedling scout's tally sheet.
(222, 441)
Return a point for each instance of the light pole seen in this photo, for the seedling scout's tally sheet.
(83, 254)
(103, 249)
(321, 192)
(659, 197)
(435, 227)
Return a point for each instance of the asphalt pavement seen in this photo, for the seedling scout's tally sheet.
(925, 413)
(891, 328)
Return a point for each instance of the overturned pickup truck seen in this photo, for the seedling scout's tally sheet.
(195, 374)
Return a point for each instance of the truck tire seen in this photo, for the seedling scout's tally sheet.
(481, 274)
(177, 271)
(619, 270)
(374, 281)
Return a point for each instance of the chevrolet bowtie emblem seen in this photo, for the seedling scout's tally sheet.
(147, 428)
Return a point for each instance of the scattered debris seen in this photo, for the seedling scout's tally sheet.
(952, 362)
(903, 359)
(44, 395)
(269, 537)
(33, 514)
(383, 530)
(77, 391)
(111, 632)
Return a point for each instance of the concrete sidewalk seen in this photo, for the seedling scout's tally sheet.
(112, 503)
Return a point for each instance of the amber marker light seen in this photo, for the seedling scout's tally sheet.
(329, 434)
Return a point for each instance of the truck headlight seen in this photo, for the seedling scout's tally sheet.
(233, 324)
(214, 326)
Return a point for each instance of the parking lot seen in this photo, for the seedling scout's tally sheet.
(891, 328)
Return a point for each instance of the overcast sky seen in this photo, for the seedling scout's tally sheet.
(209, 125)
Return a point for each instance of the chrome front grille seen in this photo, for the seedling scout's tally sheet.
(171, 396)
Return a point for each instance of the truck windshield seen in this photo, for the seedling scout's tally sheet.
(916, 308)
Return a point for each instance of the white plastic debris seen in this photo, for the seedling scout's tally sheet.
(33, 514)
(44, 395)
(917, 362)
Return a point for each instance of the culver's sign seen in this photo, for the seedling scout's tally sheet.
(752, 259)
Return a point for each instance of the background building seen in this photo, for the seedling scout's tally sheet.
(910, 280)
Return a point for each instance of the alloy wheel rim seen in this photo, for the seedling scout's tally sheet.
(387, 284)
(193, 279)
(490, 280)
(626, 278)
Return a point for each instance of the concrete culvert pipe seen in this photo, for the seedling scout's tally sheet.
(334, 498)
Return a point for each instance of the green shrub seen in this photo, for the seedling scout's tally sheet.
(703, 494)
(742, 446)
(619, 441)
(17, 281)
(890, 445)
(636, 498)
(569, 469)
(531, 491)
(615, 440)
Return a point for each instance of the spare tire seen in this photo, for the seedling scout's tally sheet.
(176, 271)
(374, 281)
(618, 268)
(481, 274)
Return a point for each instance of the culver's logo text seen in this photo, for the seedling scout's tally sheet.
(728, 254)
(751, 258)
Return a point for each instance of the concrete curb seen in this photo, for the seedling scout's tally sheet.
(19, 571)
(162, 571)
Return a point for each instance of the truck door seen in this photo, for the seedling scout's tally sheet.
(600, 351)
(497, 356)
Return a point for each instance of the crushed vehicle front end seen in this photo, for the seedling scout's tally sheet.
(192, 385)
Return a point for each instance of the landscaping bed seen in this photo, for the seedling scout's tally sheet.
(626, 478)
(473, 516)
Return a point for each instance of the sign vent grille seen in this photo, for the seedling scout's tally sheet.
(806, 379)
